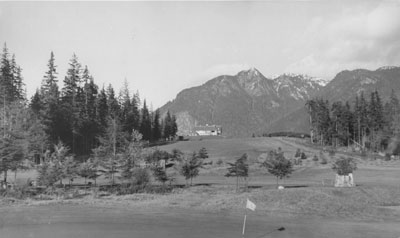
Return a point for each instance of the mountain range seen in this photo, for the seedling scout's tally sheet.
(249, 103)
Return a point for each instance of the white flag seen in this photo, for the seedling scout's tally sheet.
(250, 205)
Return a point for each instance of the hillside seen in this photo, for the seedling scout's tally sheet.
(243, 104)
(249, 103)
(344, 87)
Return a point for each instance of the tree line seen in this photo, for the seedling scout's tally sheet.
(79, 115)
(366, 123)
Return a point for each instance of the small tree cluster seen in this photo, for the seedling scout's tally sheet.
(278, 165)
(191, 167)
(344, 166)
(239, 169)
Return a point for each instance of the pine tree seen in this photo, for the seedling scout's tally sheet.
(88, 127)
(71, 95)
(50, 77)
(129, 110)
(203, 153)
(113, 105)
(18, 84)
(7, 88)
(102, 111)
(131, 156)
(145, 124)
(156, 126)
(14, 139)
(36, 103)
(393, 114)
(49, 95)
(167, 126)
(174, 126)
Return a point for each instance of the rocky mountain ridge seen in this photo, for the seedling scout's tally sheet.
(249, 103)
(244, 103)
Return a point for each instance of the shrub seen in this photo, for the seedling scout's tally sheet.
(315, 158)
(322, 157)
(364, 153)
(344, 166)
(160, 174)
(203, 153)
(18, 192)
(323, 161)
(49, 173)
(298, 153)
(142, 177)
(387, 157)
(332, 151)
(303, 156)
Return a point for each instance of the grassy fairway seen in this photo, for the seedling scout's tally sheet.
(212, 208)
(68, 221)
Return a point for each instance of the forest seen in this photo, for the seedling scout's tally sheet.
(367, 124)
(80, 119)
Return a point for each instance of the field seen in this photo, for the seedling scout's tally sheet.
(309, 206)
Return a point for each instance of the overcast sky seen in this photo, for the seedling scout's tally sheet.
(164, 47)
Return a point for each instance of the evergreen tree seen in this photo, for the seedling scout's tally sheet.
(14, 139)
(36, 103)
(18, 83)
(50, 77)
(130, 115)
(135, 112)
(174, 126)
(145, 124)
(88, 128)
(49, 95)
(392, 113)
(113, 105)
(167, 126)
(71, 95)
(7, 88)
(131, 156)
(156, 126)
(102, 111)
(203, 153)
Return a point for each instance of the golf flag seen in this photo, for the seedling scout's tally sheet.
(250, 205)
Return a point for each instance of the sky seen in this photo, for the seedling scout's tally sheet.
(161, 48)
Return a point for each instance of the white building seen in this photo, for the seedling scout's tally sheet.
(208, 130)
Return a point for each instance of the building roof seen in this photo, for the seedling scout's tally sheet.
(207, 128)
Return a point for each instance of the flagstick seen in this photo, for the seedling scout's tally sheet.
(244, 221)
(244, 224)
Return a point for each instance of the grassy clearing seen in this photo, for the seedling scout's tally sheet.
(377, 196)
(360, 203)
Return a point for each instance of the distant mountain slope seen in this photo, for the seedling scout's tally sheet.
(344, 87)
(243, 104)
(347, 84)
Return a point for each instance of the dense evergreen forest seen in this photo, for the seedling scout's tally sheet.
(80, 117)
(365, 123)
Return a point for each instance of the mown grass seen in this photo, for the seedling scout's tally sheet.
(377, 193)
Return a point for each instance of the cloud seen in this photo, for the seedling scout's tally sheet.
(356, 38)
